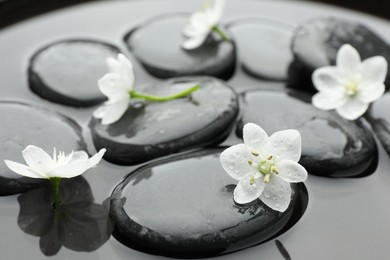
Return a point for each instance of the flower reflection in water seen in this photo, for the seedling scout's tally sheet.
(78, 223)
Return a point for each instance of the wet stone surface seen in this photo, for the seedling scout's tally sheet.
(263, 47)
(24, 125)
(192, 212)
(153, 129)
(331, 146)
(316, 42)
(67, 72)
(379, 118)
(157, 45)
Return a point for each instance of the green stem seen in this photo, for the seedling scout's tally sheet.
(55, 188)
(218, 30)
(135, 94)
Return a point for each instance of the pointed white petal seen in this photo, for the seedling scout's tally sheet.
(374, 70)
(372, 92)
(328, 80)
(216, 12)
(277, 194)
(352, 109)
(76, 156)
(94, 160)
(255, 138)
(194, 42)
(114, 111)
(291, 171)
(23, 170)
(126, 70)
(348, 60)
(38, 159)
(286, 145)
(245, 192)
(235, 161)
(324, 101)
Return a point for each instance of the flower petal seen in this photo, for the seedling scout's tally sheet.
(286, 145)
(38, 159)
(235, 161)
(372, 92)
(194, 42)
(126, 70)
(114, 87)
(374, 70)
(328, 80)
(76, 156)
(291, 171)
(78, 167)
(255, 138)
(245, 192)
(94, 160)
(327, 101)
(23, 170)
(352, 109)
(348, 60)
(216, 12)
(277, 194)
(112, 111)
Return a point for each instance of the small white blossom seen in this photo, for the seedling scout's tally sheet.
(41, 165)
(351, 85)
(116, 85)
(265, 166)
(202, 23)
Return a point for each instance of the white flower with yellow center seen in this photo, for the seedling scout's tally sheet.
(351, 85)
(265, 166)
(202, 23)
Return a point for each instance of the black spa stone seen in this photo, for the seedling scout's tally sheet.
(379, 119)
(331, 146)
(153, 129)
(24, 125)
(316, 42)
(263, 47)
(67, 72)
(184, 207)
(157, 45)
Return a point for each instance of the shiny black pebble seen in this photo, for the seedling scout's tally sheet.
(183, 207)
(67, 72)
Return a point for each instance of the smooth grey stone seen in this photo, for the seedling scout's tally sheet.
(379, 118)
(316, 42)
(263, 47)
(154, 129)
(67, 72)
(24, 125)
(157, 45)
(331, 145)
(183, 207)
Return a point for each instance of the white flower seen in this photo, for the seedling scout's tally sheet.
(116, 85)
(265, 166)
(41, 166)
(202, 23)
(351, 85)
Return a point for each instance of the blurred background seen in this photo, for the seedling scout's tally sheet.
(12, 11)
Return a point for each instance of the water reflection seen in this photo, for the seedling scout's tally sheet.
(78, 223)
